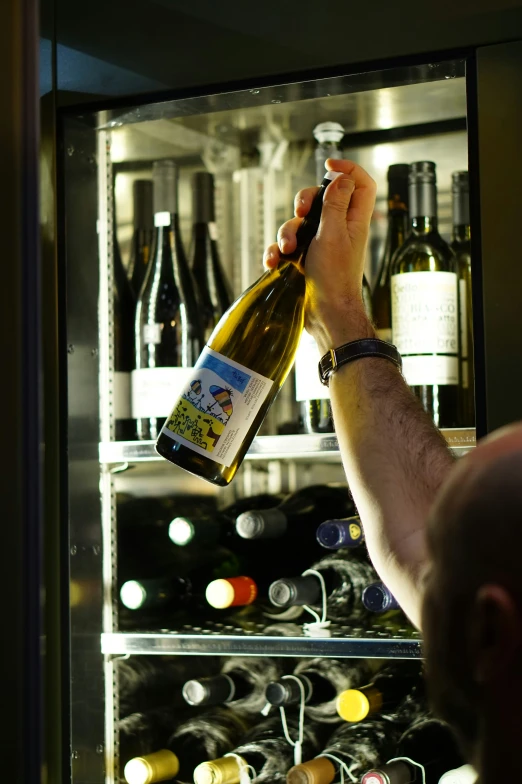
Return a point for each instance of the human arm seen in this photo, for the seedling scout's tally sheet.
(394, 458)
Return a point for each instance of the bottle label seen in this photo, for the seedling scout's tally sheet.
(384, 334)
(121, 395)
(152, 333)
(307, 383)
(154, 388)
(217, 407)
(425, 326)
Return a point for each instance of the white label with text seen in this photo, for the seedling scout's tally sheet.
(153, 390)
(425, 326)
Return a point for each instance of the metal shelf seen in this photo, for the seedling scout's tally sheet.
(378, 642)
(298, 447)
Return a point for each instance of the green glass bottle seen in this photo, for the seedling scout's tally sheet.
(425, 303)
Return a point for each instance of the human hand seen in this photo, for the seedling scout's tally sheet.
(334, 266)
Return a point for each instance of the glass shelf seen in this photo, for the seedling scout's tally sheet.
(297, 447)
(378, 641)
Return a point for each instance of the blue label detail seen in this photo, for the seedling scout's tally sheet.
(236, 378)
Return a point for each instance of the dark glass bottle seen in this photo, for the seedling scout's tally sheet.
(167, 755)
(322, 680)
(265, 749)
(240, 685)
(429, 743)
(195, 531)
(143, 233)
(344, 576)
(297, 514)
(336, 534)
(158, 600)
(378, 598)
(212, 289)
(168, 330)
(425, 303)
(461, 246)
(397, 230)
(387, 694)
(124, 309)
(149, 682)
(358, 746)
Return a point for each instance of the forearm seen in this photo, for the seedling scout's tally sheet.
(395, 461)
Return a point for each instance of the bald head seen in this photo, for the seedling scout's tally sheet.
(475, 528)
(472, 614)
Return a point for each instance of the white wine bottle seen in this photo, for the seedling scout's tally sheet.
(424, 303)
(242, 367)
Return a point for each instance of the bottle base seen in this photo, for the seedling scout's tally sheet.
(182, 456)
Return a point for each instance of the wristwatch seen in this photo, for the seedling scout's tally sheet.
(357, 349)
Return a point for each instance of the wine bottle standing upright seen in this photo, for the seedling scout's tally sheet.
(265, 750)
(143, 233)
(167, 326)
(242, 368)
(312, 396)
(240, 685)
(397, 230)
(321, 681)
(357, 746)
(212, 287)
(461, 246)
(124, 308)
(425, 303)
(429, 743)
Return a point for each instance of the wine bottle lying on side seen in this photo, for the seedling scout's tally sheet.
(429, 744)
(320, 680)
(265, 750)
(206, 735)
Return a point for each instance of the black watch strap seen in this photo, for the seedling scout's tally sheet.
(367, 347)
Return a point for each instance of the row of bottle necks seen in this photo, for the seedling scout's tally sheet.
(246, 719)
(166, 310)
(182, 557)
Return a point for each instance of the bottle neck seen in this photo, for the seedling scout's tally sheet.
(423, 207)
(461, 233)
(424, 224)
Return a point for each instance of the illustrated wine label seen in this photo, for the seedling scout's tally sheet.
(307, 382)
(464, 348)
(154, 388)
(425, 326)
(217, 407)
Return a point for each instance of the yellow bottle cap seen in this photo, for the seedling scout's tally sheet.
(353, 705)
(226, 770)
(159, 766)
(317, 771)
